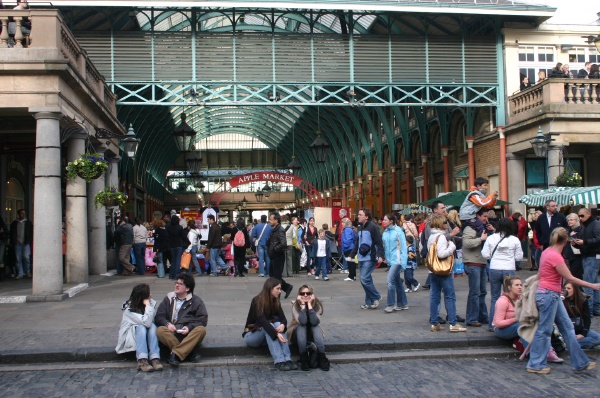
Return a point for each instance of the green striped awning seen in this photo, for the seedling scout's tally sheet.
(414, 208)
(564, 196)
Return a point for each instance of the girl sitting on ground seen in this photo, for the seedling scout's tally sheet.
(307, 311)
(266, 324)
(138, 331)
(577, 305)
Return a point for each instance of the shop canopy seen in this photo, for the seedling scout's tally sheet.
(456, 199)
(414, 208)
(564, 196)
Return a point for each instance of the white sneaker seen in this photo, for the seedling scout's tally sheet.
(374, 305)
(325, 278)
(417, 287)
(389, 309)
(349, 279)
(401, 308)
(407, 290)
(346, 271)
(316, 278)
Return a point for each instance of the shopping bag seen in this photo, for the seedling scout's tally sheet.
(459, 265)
(185, 260)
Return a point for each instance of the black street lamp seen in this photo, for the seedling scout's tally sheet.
(259, 196)
(129, 140)
(319, 147)
(194, 162)
(540, 143)
(184, 136)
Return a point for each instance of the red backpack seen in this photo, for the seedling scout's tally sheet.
(239, 240)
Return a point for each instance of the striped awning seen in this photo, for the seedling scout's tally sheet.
(564, 196)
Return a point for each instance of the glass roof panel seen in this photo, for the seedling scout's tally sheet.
(230, 142)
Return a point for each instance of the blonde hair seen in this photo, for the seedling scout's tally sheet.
(437, 221)
(575, 217)
(558, 236)
(347, 222)
(453, 216)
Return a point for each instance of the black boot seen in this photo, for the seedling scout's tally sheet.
(304, 361)
(323, 361)
(313, 362)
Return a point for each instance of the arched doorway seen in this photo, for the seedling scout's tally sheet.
(15, 199)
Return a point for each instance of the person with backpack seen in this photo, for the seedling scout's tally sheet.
(444, 248)
(241, 241)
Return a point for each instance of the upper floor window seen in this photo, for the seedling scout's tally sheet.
(545, 54)
(577, 55)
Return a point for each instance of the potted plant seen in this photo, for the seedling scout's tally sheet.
(88, 166)
(568, 178)
(110, 196)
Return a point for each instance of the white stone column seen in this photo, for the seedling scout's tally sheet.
(76, 215)
(515, 166)
(97, 254)
(113, 174)
(554, 163)
(47, 208)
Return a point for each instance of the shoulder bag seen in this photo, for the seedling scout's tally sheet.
(438, 266)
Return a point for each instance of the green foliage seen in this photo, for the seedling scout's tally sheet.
(110, 196)
(88, 166)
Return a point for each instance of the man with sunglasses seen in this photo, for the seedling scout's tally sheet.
(181, 321)
(590, 252)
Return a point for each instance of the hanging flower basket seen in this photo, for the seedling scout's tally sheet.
(568, 178)
(88, 166)
(108, 197)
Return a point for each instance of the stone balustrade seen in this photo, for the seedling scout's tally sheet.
(46, 29)
(576, 95)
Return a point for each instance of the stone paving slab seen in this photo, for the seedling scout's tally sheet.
(85, 327)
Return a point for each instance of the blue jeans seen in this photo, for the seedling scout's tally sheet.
(160, 266)
(439, 283)
(409, 278)
(175, 261)
(509, 332)
(395, 290)
(476, 308)
(146, 341)
(23, 254)
(552, 311)
(496, 280)
(301, 333)
(139, 253)
(216, 260)
(366, 280)
(590, 341)
(590, 274)
(264, 262)
(279, 351)
(193, 252)
(344, 262)
(321, 264)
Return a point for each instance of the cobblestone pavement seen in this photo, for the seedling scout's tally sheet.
(411, 378)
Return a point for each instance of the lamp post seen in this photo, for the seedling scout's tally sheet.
(542, 148)
(194, 162)
(129, 140)
(244, 202)
(259, 196)
(319, 147)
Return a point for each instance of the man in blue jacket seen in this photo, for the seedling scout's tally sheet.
(260, 235)
(369, 247)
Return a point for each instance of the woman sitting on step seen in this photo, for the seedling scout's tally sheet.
(305, 327)
(138, 331)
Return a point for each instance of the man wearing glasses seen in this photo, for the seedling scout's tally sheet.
(590, 251)
(21, 237)
(181, 321)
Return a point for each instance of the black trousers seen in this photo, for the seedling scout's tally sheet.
(351, 265)
(277, 265)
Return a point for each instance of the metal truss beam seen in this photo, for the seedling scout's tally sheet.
(176, 93)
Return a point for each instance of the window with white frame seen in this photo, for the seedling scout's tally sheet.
(532, 59)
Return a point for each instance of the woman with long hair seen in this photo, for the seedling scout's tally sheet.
(266, 324)
(503, 249)
(578, 308)
(140, 233)
(138, 331)
(572, 254)
(396, 256)
(239, 252)
(506, 324)
(548, 300)
(306, 326)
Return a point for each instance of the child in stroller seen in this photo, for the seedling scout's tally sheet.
(227, 254)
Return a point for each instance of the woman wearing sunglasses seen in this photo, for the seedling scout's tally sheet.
(305, 327)
(266, 324)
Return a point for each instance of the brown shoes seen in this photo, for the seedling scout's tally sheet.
(156, 365)
(144, 366)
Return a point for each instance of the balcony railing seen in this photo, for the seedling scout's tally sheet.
(579, 95)
(24, 30)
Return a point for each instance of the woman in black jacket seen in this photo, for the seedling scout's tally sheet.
(160, 246)
(266, 323)
(175, 234)
(239, 252)
(577, 305)
(571, 254)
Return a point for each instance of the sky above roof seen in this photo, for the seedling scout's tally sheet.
(576, 12)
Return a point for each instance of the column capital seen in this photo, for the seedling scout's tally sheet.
(424, 157)
(344, 185)
(380, 173)
(100, 148)
(501, 134)
(114, 159)
(445, 150)
(470, 141)
(370, 176)
(393, 167)
(359, 180)
(351, 183)
(407, 164)
(47, 115)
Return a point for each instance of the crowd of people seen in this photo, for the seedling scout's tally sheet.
(562, 249)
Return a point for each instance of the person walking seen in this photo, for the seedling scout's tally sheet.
(260, 235)
(124, 235)
(475, 268)
(140, 233)
(160, 246)
(241, 242)
(276, 251)
(368, 247)
(589, 244)
(175, 234)
(396, 257)
(193, 236)
(21, 238)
